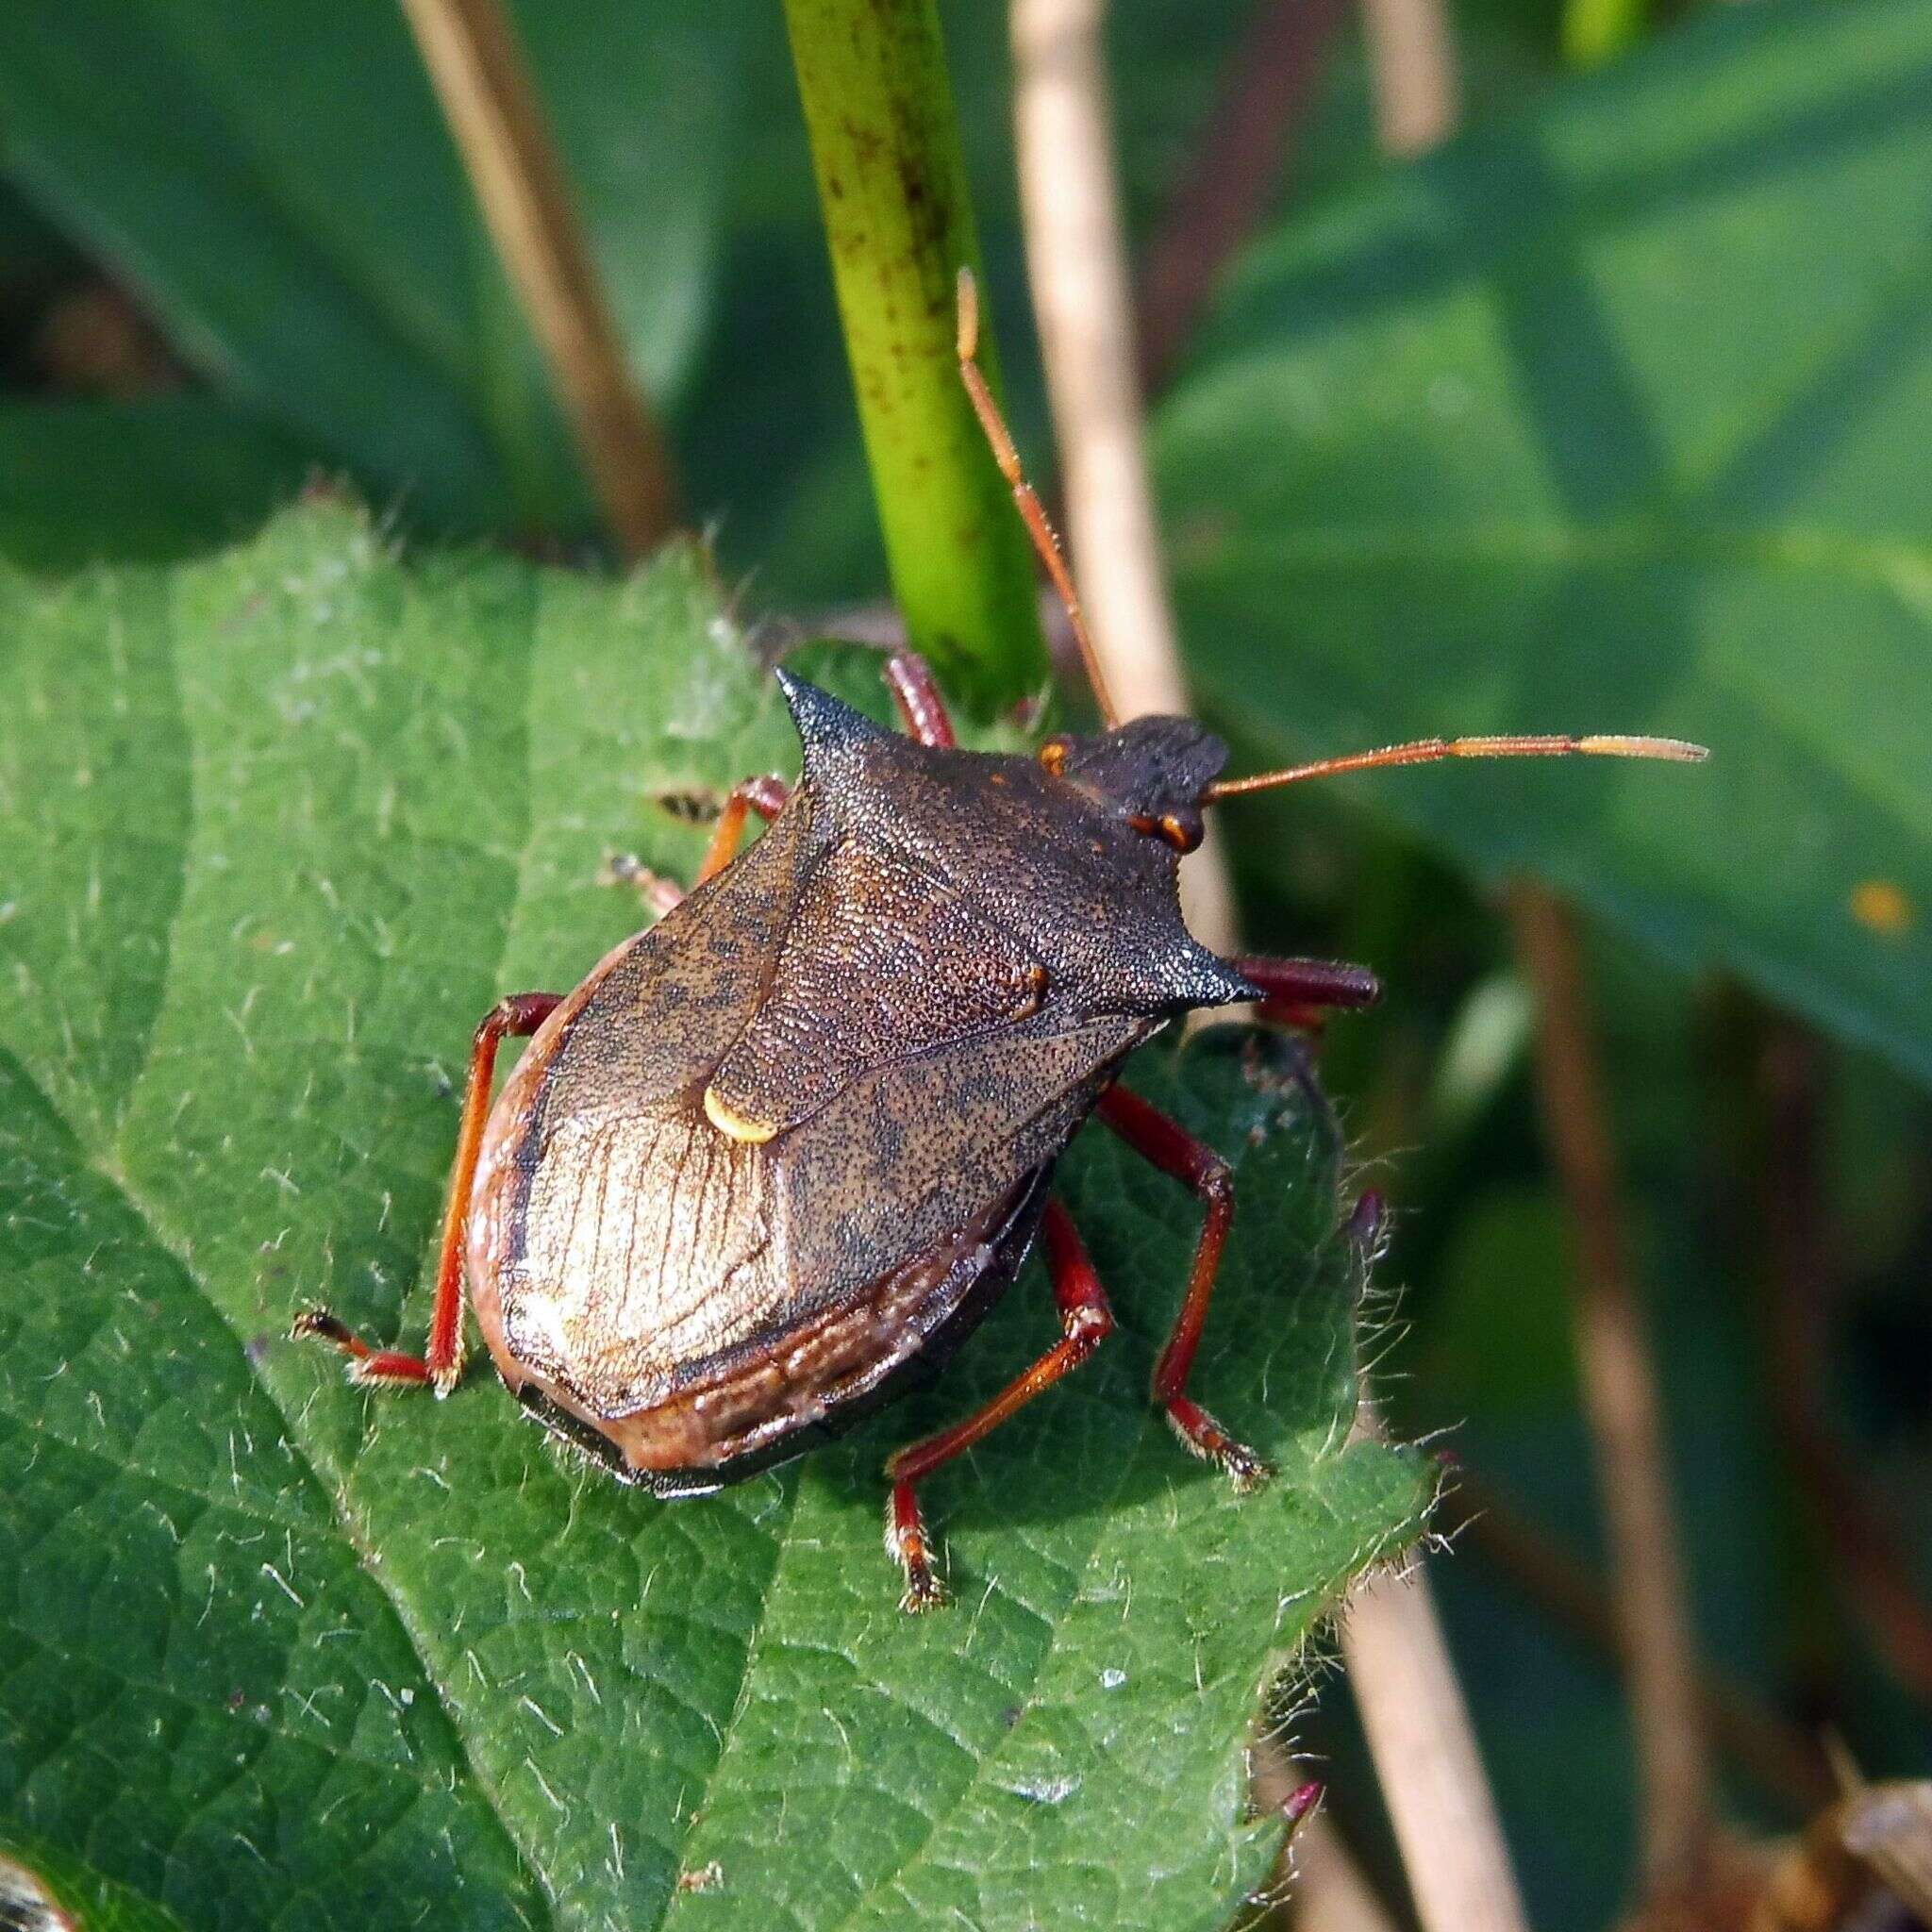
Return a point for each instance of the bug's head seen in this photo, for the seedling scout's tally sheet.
(1154, 772)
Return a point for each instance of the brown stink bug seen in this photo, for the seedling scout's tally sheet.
(787, 1146)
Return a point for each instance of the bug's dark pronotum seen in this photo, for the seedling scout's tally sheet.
(787, 1146)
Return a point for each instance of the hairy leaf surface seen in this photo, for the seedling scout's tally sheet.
(276, 1652)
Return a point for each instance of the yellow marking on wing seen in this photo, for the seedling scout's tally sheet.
(732, 1123)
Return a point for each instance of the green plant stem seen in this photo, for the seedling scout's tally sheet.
(1598, 30)
(879, 108)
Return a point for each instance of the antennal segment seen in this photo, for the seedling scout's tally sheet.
(1428, 751)
(1044, 540)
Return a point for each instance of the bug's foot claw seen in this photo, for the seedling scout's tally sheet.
(923, 1592)
(906, 1544)
(318, 1324)
(659, 893)
(1202, 1436)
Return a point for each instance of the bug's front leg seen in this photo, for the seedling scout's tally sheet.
(516, 1017)
(1085, 1321)
(764, 796)
(916, 691)
(1176, 1151)
(1300, 992)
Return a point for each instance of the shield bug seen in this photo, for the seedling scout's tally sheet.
(779, 1153)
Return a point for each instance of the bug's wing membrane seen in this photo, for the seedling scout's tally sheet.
(662, 1011)
(882, 959)
(652, 1257)
(619, 1229)
(907, 1154)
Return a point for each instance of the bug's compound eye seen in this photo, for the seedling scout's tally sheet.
(1053, 756)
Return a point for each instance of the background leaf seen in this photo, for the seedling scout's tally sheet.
(278, 1651)
(278, 184)
(1612, 417)
(84, 482)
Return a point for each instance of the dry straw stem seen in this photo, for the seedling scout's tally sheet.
(1621, 1397)
(1412, 58)
(1773, 1755)
(1331, 1894)
(479, 77)
(1417, 1723)
(1082, 297)
(1424, 1752)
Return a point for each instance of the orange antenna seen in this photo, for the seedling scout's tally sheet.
(1427, 751)
(1044, 541)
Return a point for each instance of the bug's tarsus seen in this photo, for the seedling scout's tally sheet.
(1044, 539)
(1301, 1801)
(659, 893)
(1368, 1225)
(1428, 751)
(442, 1363)
(1085, 1321)
(1168, 1147)
(908, 1546)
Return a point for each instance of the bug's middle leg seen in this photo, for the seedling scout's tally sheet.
(764, 796)
(1176, 1151)
(1085, 1321)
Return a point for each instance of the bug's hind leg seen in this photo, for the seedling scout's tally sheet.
(1085, 1321)
(1176, 1151)
(519, 1015)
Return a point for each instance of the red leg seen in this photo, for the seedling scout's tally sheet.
(1152, 1135)
(1085, 1321)
(1300, 991)
(765, 796)
(917, 694)
(519, 1015)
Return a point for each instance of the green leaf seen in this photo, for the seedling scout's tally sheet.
(283, 824)
(279, 183)
(136, 480)
(1614, 419)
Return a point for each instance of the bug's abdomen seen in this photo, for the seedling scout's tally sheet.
(632, 1278)
(641, 1255)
